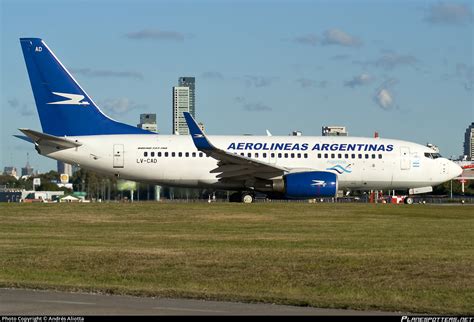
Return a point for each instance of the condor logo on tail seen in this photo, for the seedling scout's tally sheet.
(72, 99)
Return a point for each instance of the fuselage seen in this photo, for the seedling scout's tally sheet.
(360, 163)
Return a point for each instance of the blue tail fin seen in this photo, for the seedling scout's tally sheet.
(63, 106)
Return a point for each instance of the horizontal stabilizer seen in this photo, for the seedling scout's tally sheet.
(51, 140)
(24, 138)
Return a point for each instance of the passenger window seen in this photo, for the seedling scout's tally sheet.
(256, 155)
(319, 155)
(264, 155)
(325, 155)
(272, 155)
(166, 154)
(373, 156)
(339, 156)
(194, 154)
(249, 155)
(380, 156)
(145, 154)
(180, 154)
(346, 156)
(299, 155)
(173, 154)
(286, 155)
(366, 156)
(159, 154)
(333, 155)
(279, 155)
(353, 156)
(292, 155)
(360, 156)
(200, 154)
(187, 154)
(242, 154)
(152, 154)
(305, 155)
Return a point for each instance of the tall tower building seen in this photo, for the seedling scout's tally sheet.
(181, 100)
(148, 122)
(190, 82)
(27, 170)
(64, 168)
(469, 142)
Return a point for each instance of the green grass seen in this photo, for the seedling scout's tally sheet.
(371, 257)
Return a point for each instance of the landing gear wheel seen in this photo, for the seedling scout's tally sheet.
(409, 200)
(247, 198)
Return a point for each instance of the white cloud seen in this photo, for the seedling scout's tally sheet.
(117, 106)
(359, 80)
(88, 72)
(252, 106)
(23, 108)
(449, 14)
(390, 60)
(212, 75)
(384, 96)
(309, 39)
(466, 74)
(339, 37)
(259, 81)
(157, 34)
(306, 83)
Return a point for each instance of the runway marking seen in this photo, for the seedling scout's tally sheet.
(67, 302)
(186, 310)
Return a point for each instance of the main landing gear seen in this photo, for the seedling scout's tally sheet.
(244, 197)
(247, 197)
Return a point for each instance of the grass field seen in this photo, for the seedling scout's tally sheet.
(385, 257)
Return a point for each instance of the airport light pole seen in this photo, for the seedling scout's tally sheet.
(451, 189)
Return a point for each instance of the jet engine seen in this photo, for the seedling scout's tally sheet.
(310, 184)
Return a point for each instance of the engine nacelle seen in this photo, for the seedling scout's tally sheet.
(310, 184)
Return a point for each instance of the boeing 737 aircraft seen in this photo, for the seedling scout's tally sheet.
(76, 131)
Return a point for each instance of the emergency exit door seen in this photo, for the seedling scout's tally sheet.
(118, 155)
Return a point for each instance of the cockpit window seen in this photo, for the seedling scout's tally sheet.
(432, 155)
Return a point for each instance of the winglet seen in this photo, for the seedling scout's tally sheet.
(199, 138)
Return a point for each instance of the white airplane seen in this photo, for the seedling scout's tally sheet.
(76, 131)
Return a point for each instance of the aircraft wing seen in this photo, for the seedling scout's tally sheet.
(231, 166)
(51, 140)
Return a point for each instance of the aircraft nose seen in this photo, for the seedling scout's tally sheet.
(455, 170)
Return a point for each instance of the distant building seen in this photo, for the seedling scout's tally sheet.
(148, 122)
(10, 171)
(190, 82)
(65, 168)
(334, 131)
(180, 105)
(469, 142)
(27, 170)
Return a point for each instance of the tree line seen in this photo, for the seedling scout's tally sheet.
(98, 186)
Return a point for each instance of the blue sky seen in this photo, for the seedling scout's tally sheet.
(402, 68)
